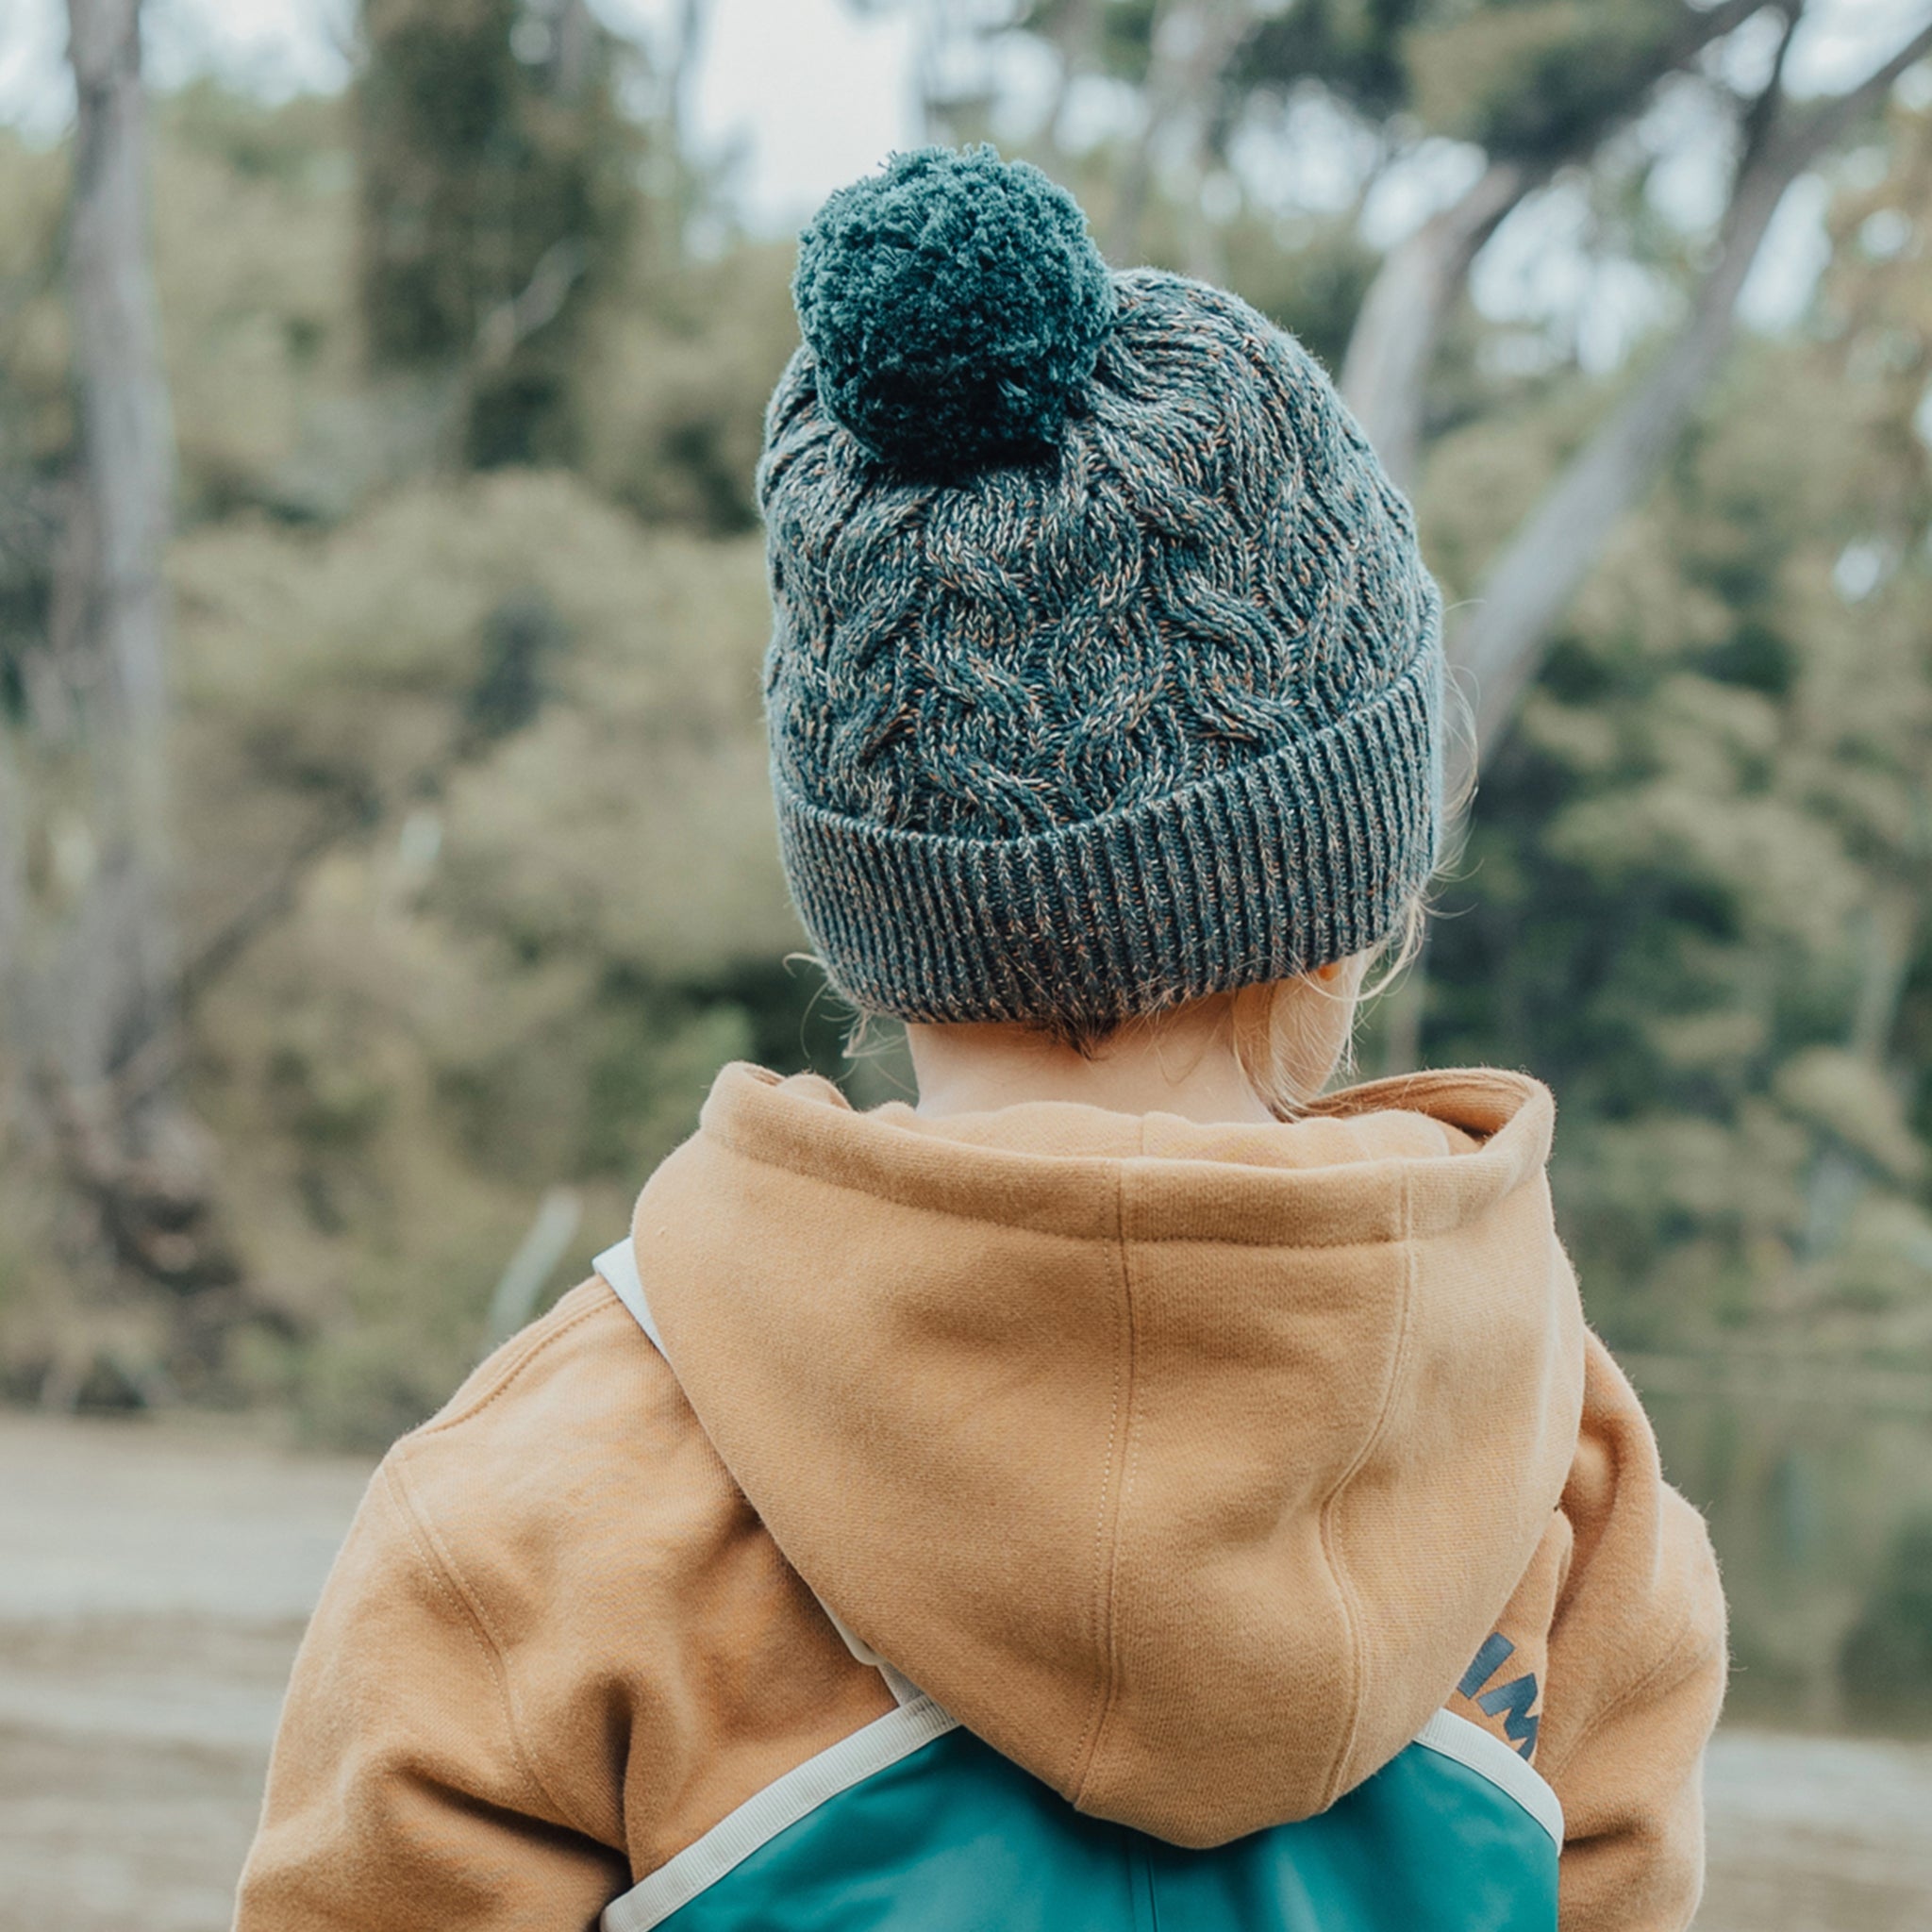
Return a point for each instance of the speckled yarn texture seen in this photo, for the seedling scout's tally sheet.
(1149, 713)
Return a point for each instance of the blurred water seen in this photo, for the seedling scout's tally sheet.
(1812, 1479)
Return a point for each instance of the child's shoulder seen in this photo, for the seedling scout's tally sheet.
(582, 1346)
(553, 1608)
(567, 1460)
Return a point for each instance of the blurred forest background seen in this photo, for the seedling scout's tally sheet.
(385, 856)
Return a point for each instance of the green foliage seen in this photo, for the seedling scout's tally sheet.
(1886, 1659)
(1695, 894)
(469, 774)
(680, 373)
(254, 240)
(275, 409)
(1533, 80)
(1522, 76)
(1356, 47)
(1122, 30)
(495, 182)
(556, 911)
(35, 422)
(1310, 279)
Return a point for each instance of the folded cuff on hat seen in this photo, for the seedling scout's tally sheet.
(1276, 867)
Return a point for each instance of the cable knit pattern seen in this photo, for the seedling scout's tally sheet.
(1090, 735)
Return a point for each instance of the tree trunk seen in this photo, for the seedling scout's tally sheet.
(92, 973)
(1390, 350)
(110, 604)
(1385, 376)
(1392, 346)
(1501, 647)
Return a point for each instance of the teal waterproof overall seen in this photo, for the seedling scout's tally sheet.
(913, 1825)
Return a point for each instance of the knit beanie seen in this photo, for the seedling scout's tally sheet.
(1104, 672)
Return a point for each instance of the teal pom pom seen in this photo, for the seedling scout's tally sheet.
(954, 307)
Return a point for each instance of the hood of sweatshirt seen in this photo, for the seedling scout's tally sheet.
(1188, 1465)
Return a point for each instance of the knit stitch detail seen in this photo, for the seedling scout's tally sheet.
(1256, 874)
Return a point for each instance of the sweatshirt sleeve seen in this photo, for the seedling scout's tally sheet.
(398, 1793)
(1637, 1665)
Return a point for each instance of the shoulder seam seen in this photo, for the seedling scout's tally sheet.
(516, 1366)
(437, 1560)
(1659, 1676)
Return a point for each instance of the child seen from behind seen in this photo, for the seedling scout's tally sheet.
(1131, 1487)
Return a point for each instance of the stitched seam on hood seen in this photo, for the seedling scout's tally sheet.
(1113, 1503)
(1351, 1608)
(1393, 1167)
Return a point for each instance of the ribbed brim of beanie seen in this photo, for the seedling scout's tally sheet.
(1105, 674)
(1275, 866)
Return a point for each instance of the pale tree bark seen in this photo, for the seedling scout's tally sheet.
(109, 610)
(576, 30)
(93, 965)
(1392, 346)
(1501, 647)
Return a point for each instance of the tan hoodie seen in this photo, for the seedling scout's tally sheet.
(1189, 1466)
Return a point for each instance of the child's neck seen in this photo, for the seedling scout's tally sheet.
(1182, 1064)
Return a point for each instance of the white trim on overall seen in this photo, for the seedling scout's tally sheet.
(1486, 1753)
(759, 1820)
(618, 1265)
(899, 1733)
